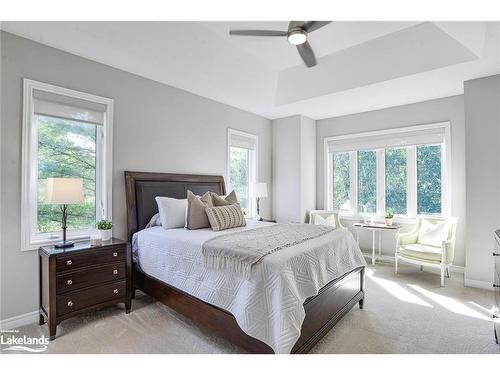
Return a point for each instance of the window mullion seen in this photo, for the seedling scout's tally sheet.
(411, 168)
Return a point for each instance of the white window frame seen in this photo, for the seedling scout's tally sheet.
(253, 166)
(30, 238)
(411, 161)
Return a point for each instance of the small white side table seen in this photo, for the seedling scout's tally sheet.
(376, 228)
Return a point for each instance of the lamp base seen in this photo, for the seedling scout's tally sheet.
(64, 244)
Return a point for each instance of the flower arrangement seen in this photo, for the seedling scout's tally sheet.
(104, 227)
(104, 224)
(389, 216)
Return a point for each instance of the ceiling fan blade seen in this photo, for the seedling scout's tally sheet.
(307, 54)
(258, 32)
(294, 24)
(310, 26)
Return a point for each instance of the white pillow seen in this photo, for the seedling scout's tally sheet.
(172, 212)
(433, 234)
(320, 220)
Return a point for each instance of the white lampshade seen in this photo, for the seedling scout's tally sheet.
(260, 190)
(64, 191)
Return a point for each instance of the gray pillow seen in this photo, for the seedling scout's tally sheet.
(220, 200)
(196, 217)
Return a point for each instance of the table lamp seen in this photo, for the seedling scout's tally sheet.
(259, 191)
(64, 191)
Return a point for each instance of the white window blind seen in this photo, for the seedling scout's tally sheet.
(397, 168)
(240, 140)
(54, 105)
(381, 140)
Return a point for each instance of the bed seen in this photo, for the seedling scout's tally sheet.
(254, 314)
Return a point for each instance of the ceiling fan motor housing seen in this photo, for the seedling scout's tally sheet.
(297, 35)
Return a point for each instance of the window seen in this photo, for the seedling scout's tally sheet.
(66, 149)
(341, 180)
(239, 175)
(367, 181)
(396, 180)
(429, 179)
(242, 168)
(401, 170)
(65, 134)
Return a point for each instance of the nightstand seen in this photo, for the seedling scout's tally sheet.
(82, 278)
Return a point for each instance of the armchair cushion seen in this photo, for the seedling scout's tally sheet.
(433, 234)
(431, 254)
(329, 220)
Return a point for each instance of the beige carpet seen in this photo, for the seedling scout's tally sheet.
(409, 313)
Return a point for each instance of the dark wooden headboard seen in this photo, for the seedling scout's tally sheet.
(141, 188)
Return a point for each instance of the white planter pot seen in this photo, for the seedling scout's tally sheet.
(105, 234)
(388, 221)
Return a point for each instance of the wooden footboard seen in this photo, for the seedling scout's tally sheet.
(323, 311)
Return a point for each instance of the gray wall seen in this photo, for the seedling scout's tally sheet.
(445, 109)
(286, 168)
(294, 172)
(156, 128)
(307, 166)
(482, 129)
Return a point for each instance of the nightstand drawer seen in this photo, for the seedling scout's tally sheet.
(72, 301)
(106, 255)
(90, 276)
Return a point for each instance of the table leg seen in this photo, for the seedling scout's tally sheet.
(397, 241)
(379, 245)
(373, 247)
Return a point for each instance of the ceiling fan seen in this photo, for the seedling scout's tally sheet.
(296, 34)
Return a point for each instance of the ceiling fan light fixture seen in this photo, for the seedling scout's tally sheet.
(297, 37)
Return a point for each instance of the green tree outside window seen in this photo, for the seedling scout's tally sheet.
(66, 149)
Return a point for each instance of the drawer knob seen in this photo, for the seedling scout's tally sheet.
(496, 254)
(70, 303)
(69, 262)
(69, 282)
(115, 254)
(496, 285)
(115, 291)
(115, 272)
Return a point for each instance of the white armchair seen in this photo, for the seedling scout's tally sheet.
(324, 214)
(412, 248)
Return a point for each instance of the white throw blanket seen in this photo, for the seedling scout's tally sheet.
(238, 252)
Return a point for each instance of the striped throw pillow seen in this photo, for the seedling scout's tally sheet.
(225, 217)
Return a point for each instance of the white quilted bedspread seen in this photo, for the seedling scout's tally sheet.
(267, 306)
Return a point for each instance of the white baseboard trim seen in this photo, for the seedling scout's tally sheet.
(478, 284)
(19, 320)
(390, 259)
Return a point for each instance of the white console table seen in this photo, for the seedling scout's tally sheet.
(376, 228)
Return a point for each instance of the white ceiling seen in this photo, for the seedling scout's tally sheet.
(361, 65)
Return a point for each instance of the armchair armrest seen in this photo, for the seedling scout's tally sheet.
(408, 237)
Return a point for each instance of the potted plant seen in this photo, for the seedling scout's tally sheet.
(104, 227)
(389, 216)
